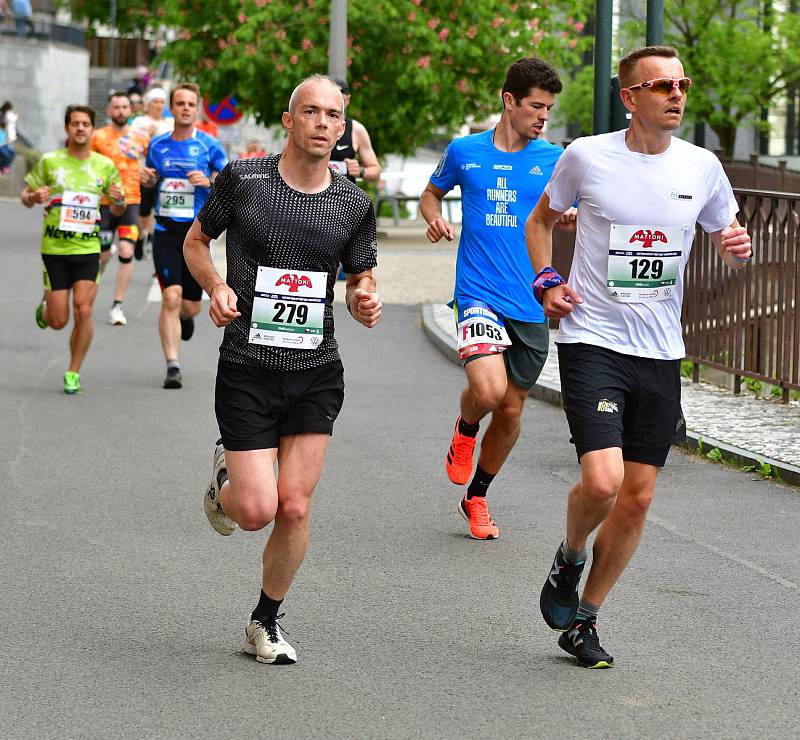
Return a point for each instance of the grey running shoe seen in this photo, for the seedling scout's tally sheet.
(263, 638)
(215, 514)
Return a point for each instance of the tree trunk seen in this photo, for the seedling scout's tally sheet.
(727, 138)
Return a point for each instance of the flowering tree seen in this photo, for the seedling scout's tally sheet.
(416, 67)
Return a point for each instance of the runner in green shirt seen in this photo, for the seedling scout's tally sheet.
(69, 183)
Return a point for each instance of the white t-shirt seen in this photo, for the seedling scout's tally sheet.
(153, 126)
(635, 227)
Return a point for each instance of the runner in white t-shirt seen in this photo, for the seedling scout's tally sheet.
(641, 193)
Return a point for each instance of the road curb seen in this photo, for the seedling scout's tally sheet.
(542, 391)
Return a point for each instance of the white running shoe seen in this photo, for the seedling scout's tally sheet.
(264, 640)
(117, 317)
(215, 514)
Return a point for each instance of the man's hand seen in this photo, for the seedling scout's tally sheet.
(148, 177)
(569, 216)
(560, 301)
(368, 307)
(223, 305)
(115, 193)
(353, 167)
(198, 179)
(41, 195)
(439, 228)
(736, 242)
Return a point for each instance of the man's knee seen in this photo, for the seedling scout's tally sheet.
(600, 490)
(294, 512)
(635, 503)
(171, 299)
(254, 514)
(57, 320)
(190, 308)
(82, 312)
(488, 392)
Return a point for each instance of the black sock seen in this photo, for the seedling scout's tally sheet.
(480, 483)
(470, 430)
(266, 607)
(116, 303)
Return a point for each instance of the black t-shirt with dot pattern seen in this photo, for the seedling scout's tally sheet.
(272, 225)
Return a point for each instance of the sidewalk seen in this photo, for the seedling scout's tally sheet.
(746, 430)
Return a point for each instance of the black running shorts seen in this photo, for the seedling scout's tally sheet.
(256, 407)
(171, 268)
(62, 271)
(617, 400)
(527, 354)
(148, 200)
(126, 225)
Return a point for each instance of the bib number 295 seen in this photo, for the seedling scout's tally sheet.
(290, 314)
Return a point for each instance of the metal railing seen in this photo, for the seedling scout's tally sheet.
(747, 322)
(44, 28)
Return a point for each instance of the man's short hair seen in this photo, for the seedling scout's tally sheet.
(625, 69)
(118, 94)
(185, 86)
(312, 78)
(530, 72)
(78, 109)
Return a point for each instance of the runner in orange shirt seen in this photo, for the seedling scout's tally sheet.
(126, 147)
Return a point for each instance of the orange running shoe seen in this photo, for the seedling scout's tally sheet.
(458, 462)
(476, 512)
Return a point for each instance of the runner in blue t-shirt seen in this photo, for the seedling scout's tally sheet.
(182, 164)
(502, 333)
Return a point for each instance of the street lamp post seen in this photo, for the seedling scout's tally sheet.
(337, 40)
(112, 47)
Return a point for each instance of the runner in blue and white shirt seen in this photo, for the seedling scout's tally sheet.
(182, 164)
(502, 334)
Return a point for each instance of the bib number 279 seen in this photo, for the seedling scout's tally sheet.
(290, 313)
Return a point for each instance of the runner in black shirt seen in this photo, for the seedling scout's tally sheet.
(289, 221)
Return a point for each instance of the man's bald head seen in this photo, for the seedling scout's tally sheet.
(313, 82)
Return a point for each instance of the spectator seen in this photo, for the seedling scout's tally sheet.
(353, 155)
(154, 122)
(8, 135)
(253, 150)
(22, 11)
(137, 103)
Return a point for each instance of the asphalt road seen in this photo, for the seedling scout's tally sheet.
(122, 611)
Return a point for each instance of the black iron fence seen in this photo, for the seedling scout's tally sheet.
(44, 28)
(747, 322)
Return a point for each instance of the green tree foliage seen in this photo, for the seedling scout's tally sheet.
(133, 16)
(416, 67)
(741, 54)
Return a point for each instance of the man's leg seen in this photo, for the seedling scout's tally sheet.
(56, 308)
(169, 324)
(621, 531)
(503, 430)
(487, 383)
(124, 271)
(83, 295)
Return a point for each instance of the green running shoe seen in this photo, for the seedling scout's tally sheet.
(72, 383)
(40, 322)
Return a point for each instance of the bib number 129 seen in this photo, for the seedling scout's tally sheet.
(646, 269)
(290, 314)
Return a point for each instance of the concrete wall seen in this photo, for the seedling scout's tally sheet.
(41, 78)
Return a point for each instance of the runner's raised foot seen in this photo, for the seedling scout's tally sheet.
(458, 462)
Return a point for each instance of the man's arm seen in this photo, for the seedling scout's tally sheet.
(430, 206)
(30, 197)
(367, 167)
(733, 245)
(558, 300)
(197, 254)
(363, 303)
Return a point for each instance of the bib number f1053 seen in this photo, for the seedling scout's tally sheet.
(288, 308)
(480, 330)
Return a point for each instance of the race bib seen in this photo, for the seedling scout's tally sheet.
(644, 262)
(480, 331)
(78, 212)
(176, 198)
(340, 167)
(288, 308)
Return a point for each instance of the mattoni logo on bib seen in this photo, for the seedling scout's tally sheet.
(295, 282)
(647, 237)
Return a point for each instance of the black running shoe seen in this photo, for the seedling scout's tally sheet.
(187, 328)
(173, 379)
(559, 598)
(581, 640)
